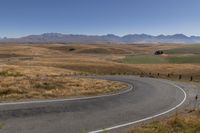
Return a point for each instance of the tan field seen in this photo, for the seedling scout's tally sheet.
(179, 123)
(25, 87)
(43, 70)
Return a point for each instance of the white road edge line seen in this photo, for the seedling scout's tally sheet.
(148, 118)
(130, 88)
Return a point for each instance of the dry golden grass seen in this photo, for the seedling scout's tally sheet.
(37, 87)
(60, 57)
(185, 69)
(182, 123)
(109, 48)
(23, 63)
(40, 72)
(36, 70)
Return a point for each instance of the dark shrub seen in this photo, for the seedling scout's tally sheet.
(159, 52)
(72, 49)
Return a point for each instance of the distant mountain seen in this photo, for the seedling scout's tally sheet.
(195, 38)
(110, 38)
(137, 38)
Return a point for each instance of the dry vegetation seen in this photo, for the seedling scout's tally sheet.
(25, 68)
(180, 123)
(46, 71)
(23, 87)
(39, 82)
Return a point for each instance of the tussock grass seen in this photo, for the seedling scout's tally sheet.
(17, 88)
(186, 70)
(182, 123)
(31, 70)
(48, 86)
(9, 73)
(108, 48)
(144, 59)
(40, 71)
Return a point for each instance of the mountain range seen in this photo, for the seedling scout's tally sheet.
(109, 38)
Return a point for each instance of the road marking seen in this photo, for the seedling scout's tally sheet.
(130, 88)
(148, 118)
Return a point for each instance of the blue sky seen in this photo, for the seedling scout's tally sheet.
(97, 17)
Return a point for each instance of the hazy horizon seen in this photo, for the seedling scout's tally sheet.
(100, 34)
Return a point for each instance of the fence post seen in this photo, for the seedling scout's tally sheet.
(180, 76)
(150, 74)
(191, 78)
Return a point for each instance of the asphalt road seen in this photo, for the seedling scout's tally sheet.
(148, 98)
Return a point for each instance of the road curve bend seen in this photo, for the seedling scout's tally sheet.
(150, 98)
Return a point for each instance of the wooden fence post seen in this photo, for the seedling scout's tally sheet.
(191, 78)
(180, 76)
(149, 74)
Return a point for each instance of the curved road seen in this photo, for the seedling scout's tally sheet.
(149, 98)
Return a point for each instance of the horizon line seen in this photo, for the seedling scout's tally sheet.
(20, 36)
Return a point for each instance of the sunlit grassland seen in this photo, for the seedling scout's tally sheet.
(25, 68)
(181, 123)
